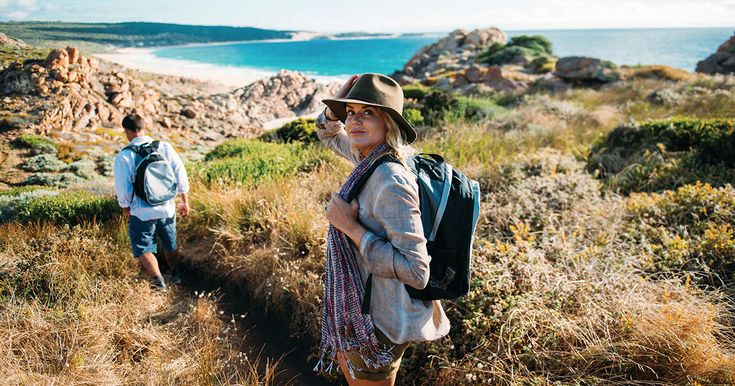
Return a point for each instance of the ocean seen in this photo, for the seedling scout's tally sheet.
(676, 47)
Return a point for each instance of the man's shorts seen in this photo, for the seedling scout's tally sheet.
(143, 235)
(362, 372)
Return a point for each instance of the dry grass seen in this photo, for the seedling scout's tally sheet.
(557, 295)
(77, 313)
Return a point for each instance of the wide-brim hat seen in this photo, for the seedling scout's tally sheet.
(375, 90)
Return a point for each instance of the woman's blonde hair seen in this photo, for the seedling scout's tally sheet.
(394, 137)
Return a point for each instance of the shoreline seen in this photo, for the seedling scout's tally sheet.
(143, 59)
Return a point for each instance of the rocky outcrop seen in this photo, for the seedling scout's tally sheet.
(243, 112)
(583, 69)
(6, 40)
(481, 79)
(722, 61)
(456, 51)
(74, 94)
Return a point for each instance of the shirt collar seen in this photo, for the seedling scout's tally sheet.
(140, 140)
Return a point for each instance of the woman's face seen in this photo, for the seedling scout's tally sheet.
(364, 126)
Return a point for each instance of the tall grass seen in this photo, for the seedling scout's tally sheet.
(73, 311)
(557, 294)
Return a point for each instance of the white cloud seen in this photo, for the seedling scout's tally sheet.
(17, 9)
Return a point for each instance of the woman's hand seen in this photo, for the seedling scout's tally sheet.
(342, 92)
(343, 216)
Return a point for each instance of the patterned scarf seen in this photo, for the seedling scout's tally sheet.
(344, 327)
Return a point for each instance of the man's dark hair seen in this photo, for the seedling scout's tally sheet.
(133, 122)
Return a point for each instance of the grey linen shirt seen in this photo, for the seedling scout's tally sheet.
(393, 249)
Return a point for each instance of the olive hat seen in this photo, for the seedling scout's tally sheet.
(375, 90)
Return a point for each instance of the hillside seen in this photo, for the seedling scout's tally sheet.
(603, 255)
(132, 34)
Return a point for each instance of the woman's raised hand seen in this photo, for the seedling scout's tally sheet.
(345, 89)
(341, 93)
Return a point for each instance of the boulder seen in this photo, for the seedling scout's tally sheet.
(57, 60)
(74, 57)
(579, 68)
(6, 40)
(189, 113)
(722, 61)
(455, 51)
(476, 74)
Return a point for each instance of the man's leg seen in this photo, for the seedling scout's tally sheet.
(166, 230)
(150, 264)
(143, 243)
(172, 258)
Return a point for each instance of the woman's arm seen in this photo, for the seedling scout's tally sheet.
(402, 253)
(333, 136)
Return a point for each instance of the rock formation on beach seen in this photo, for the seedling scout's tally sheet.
(6, 40)
(482, 61)
(722, 61)
(79, 102)
(87, 96)
(459, 49)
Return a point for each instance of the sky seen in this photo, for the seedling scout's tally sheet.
(384, 15)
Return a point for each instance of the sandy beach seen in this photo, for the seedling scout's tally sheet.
(143, 59)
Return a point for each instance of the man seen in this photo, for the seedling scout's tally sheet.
(146, 221)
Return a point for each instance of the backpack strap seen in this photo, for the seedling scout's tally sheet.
(137, 148)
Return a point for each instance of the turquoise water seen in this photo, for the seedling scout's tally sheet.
(681, 48)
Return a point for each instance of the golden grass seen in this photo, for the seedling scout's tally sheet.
(557, 296)
(74, 310)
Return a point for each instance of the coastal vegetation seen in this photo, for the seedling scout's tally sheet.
(603, 254)
(132, 34)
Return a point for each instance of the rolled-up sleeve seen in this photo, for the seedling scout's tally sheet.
(334, 137)
(402, 253)
(123, 180)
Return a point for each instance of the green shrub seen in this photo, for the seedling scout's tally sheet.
(59, 180)
(415, 91)
(31, 141)
(437, 104)
(413, 116)
(12, 199)
(249, 162)
(532, 48)
(302, 130)
(537, 43)
(68, 208)
(659, 155)
(439, 107)
(687, 230)
(543, 64)
(44, 163)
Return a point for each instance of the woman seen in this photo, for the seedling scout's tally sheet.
(379, 234)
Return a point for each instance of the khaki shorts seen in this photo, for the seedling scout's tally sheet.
(362, 372)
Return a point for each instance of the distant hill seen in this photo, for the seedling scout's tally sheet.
(133, 34)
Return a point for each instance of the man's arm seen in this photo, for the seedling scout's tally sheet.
(182, 180)
(123, 184)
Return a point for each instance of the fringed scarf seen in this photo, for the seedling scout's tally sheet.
(344, 327)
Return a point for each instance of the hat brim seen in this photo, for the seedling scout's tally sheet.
(338, 106)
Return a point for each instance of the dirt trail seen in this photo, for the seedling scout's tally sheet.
(270, 339)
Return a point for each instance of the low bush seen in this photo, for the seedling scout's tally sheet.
(44, 163)
(249, 162)
(688, 230)
(520, 49)
(415, 91)
(301, 130)
(66, 208)
(659, 155)
(31, 141)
